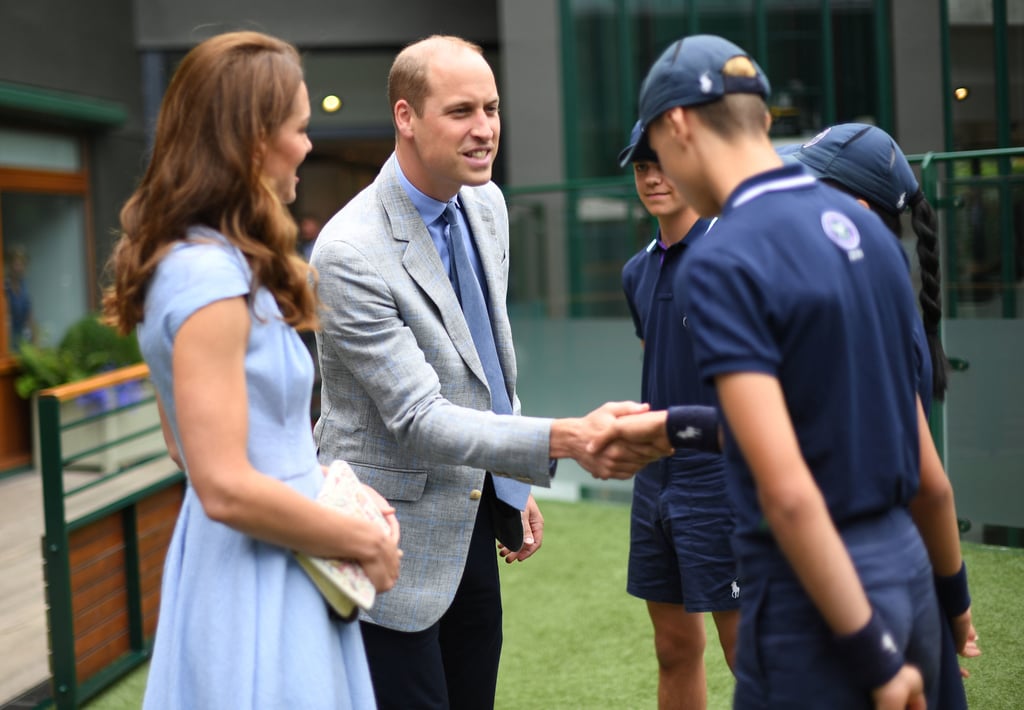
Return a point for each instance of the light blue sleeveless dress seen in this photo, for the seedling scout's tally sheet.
(241, 625)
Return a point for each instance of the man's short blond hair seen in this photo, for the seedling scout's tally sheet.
(409, 76)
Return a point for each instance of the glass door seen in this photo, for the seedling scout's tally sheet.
(45, 284)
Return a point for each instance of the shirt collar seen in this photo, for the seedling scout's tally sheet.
(697, 230)
(429, 208)
(788, 177)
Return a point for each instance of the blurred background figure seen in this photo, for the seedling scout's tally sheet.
(309, 229)
(19, 304)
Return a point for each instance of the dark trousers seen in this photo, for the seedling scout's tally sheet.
(453, 664)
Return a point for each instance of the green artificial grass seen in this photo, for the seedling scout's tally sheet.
(996, 576)
(574, 640)
(573, 637)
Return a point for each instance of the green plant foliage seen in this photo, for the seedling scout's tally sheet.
(88, 347)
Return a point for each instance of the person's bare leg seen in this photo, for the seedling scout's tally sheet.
(728, 623)
(679, 641)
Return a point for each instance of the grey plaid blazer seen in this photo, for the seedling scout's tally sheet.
(404, 397)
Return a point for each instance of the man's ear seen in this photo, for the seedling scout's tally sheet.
(680, 123)
(767, 121)
(403, 114)
(676, 120)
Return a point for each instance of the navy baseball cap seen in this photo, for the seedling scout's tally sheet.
(786, 152)
(865, 160)
(638, 149)
(689, 73)
(787, 149)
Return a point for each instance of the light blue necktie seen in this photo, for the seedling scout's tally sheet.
(474, 308)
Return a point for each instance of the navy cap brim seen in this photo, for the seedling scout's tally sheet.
(625, 155)
(638, 151)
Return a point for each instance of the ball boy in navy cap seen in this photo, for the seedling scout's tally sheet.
(680, 559)
(802, 314)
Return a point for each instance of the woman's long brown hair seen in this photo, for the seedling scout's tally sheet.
(226, 100)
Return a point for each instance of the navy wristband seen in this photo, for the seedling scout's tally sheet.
(954, 597)
(870, 654)
(693, 426)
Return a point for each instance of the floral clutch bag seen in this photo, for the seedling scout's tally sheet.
(343, 583)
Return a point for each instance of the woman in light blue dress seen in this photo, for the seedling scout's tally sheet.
(207, 271)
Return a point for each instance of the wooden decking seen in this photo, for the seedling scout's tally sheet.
(23, 644)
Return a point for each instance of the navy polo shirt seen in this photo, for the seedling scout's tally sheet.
(804, 284)
(669, 371)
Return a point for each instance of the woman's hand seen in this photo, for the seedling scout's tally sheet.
(383, 567)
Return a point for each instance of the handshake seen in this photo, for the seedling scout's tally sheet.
(614, 441)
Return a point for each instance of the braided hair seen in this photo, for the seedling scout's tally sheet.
(925, 224)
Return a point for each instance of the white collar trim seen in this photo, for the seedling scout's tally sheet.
(755, 191)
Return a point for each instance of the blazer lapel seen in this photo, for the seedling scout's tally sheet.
(424, 266)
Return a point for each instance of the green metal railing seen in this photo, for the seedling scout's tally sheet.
(603, 223)
(985, 181)
(67, 689)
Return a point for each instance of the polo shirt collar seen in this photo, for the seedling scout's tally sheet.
(786, 178)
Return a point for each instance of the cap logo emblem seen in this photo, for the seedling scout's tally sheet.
(843, 233)
(817, 138)
(902, 201)
(706, 85)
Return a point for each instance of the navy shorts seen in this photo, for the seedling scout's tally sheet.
(785, 655)
(679, 549)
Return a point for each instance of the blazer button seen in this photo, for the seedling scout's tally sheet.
(475, 494)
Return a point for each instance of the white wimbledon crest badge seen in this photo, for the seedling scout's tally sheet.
(843, 233)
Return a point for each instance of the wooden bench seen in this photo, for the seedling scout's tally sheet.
(105, 541)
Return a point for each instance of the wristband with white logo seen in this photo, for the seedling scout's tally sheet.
(871, 654)
(693, 426)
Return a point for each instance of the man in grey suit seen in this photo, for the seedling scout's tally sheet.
(406, 398)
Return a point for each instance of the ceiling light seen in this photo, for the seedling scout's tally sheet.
(331, 103)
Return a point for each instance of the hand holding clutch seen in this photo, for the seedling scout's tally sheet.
(344, 583)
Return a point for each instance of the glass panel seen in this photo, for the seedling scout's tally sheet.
(44, 256)
(1015, 63)
(608, 226)
(598, 64)
(970, 61)
(656, 24)
(973, 75)
(568, 366)
(40, 151)
(985, 247)
(794, 68)
(983, 415)
(984, 337)
(735, 20)
(855, 71)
